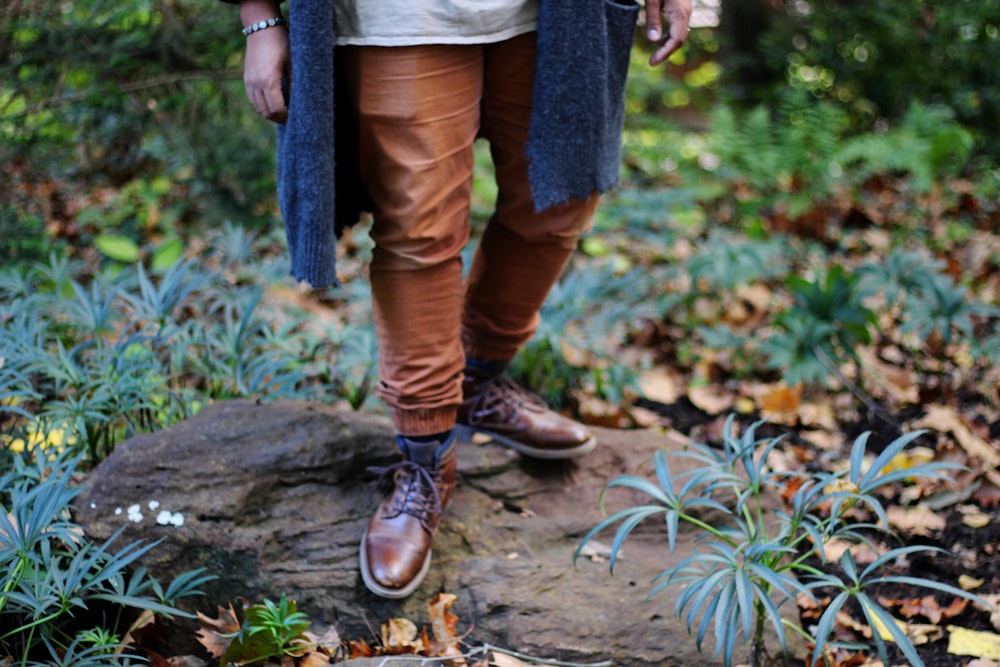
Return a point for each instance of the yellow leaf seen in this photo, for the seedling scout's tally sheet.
(976, 520)
(908, 458)
(962, 641)
(969, 583)
(883, 630)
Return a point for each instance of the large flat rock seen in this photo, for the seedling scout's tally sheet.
(274, 498)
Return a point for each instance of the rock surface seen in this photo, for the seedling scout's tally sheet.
(274, 498)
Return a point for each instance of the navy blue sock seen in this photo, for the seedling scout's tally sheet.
(434, 437)
(492, 368)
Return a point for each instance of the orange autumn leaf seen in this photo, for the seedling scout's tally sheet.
(444, 624)
(928, 607)
(780, 399)
(360, 649)
(214, 631)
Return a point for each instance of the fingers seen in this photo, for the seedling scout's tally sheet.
(654, 25)
(265, 65)
(679, 16)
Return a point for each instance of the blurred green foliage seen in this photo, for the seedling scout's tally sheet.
(133, 111)
(872, 58)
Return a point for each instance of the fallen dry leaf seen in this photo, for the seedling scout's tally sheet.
(899, 382)
(823, 440)
(947, 420)
(314, 659)
(976, 520)
(213, 631)
(660, 385)
(499, 659)
(988, 494)
(863, 554)
(990, 603)
(319, 649)
(598, 412)
(443, 623)
(927, 607)
(909, 458)
(360, 649)
(917, 520)
(968, 583)
(399, 637)
(711, 398)
(963, 641)
(779, 399)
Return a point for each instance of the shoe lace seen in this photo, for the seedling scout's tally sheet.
(503, 396)
(415, 491)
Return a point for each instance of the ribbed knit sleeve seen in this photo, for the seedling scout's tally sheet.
(306, 147)
(578, 108)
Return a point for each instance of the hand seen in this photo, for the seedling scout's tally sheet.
(266, 63)
(267, 60)
(678, 14)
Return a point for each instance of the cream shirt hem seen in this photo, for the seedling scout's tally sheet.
(374, 40)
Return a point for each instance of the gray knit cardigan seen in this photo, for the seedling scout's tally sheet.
(574, 140)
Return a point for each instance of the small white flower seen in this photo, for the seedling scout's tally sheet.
(153, 505)
(118, 511)
(93, 506)
(134, 513)
(168, 518)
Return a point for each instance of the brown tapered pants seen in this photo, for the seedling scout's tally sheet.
(419, 110)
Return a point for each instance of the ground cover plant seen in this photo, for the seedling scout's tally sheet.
(64, 599)
(754, 559)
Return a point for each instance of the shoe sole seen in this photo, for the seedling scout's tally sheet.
(390, 593)
(465, 432)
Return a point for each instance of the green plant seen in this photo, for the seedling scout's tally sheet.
(923, 299)
(725, 261)
(577, 338)
(751, 559)
(64, 599)
(822, 328)
(928, 144)
(97, 358)
(268, 630)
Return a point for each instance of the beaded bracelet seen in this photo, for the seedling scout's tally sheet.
(263, 25)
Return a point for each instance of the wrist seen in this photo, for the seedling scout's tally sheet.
(255, 11)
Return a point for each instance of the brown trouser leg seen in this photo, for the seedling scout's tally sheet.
(419, 111)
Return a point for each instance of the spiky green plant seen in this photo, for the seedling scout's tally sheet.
(755, 559)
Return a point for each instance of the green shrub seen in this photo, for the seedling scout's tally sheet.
(873, 59)
(131, 350)
(577, 341)
(65, 600)
(753, 559)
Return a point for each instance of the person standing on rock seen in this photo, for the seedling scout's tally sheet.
(416, 83)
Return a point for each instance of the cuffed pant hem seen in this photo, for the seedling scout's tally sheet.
(424, 421)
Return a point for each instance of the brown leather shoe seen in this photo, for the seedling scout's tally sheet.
(515, 417)
(396, 547)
